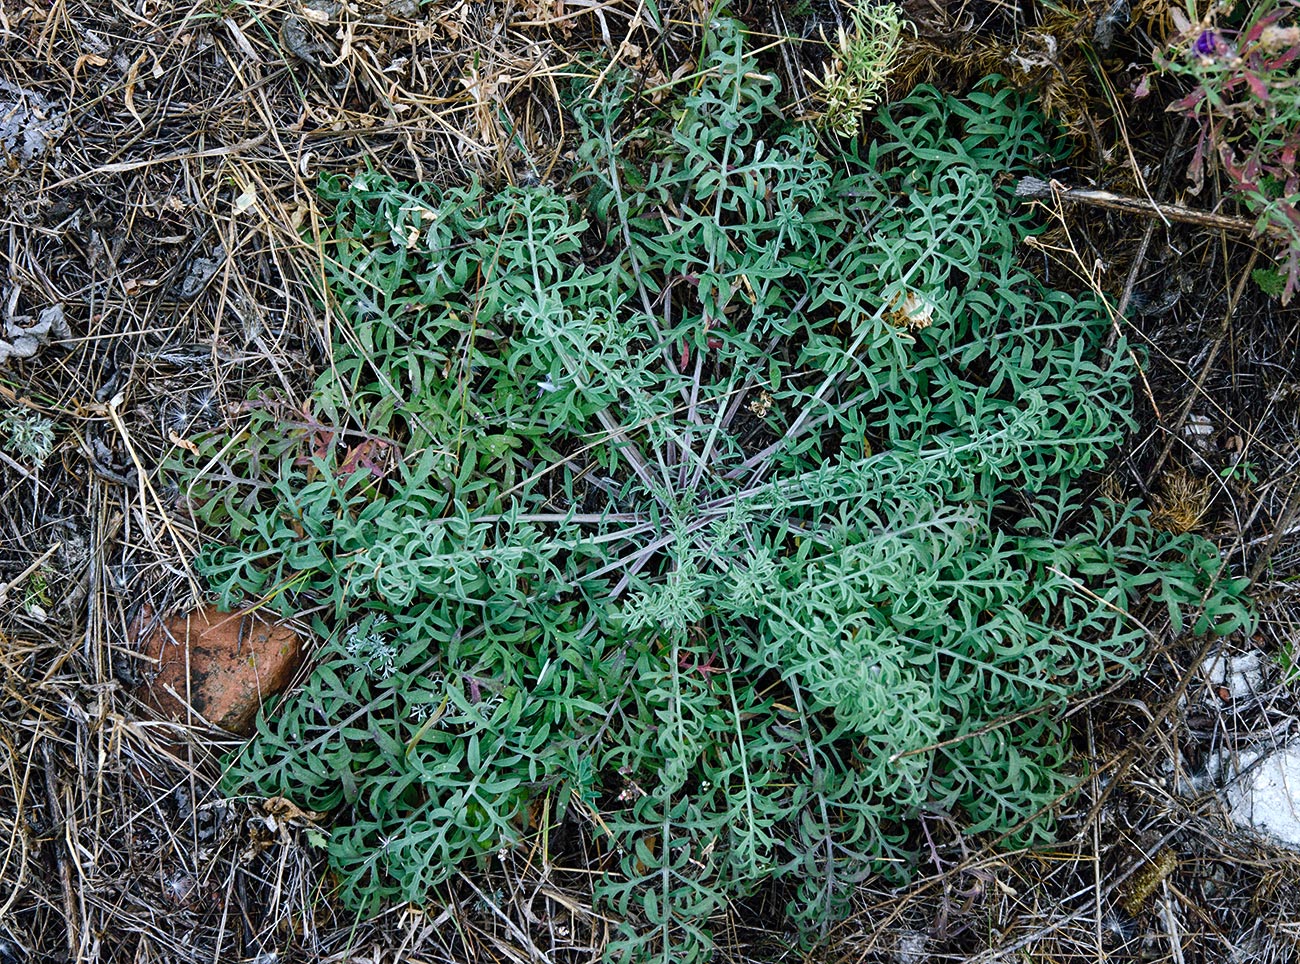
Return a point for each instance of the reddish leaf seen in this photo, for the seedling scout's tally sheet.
(1257, 86)
(1253, 34)
(1229, 160)
(371, 454)
(1188, 103)
(1283, 60)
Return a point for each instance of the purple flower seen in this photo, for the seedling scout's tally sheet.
(1207, 44)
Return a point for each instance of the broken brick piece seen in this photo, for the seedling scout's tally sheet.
(224, 665)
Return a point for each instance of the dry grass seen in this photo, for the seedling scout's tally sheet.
(168, 220)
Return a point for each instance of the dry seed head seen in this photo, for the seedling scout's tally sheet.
(1144, 883)
(914, 314)
(1179, 502)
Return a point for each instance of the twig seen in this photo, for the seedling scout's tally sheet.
(973, 734)
(1140, 258)
(122, 167)
(1123, 761)
(187, 551)
(533, 951)
(1169, 918)
(1037, 189)
(65, 874)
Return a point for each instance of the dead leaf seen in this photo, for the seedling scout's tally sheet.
(285, 809)
(94, 60)
(132, 78)
(245, 200)
(372, 454)
(298, 215)
(241, 41)
(184, 443)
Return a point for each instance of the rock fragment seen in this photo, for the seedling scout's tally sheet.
(223, 665)
(1266, 796)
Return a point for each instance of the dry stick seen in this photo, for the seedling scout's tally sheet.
(1123, 761)
(973, 734)
(124, 166)
(1096, 854)
(186, 550)
(1113, 885)
(1131, 281)
(533, 951)
(1038, 189)
(1170, 920)
(18, 836)
(65, 875)
(1176, 428)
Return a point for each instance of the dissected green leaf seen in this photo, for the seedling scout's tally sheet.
(742, 502)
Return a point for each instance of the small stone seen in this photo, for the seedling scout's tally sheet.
(225, 665)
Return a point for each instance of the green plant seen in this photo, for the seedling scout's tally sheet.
(36, 594)
(1242, 472)
(740, 506)
(27, 434)
(1286, 658)
(854, 77)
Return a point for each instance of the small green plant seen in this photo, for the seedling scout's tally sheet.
(1270, 281)
(854, 77)
(738, 509)
(36, 595)
(28, 435)
(1241, 472)
(1289, 663)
